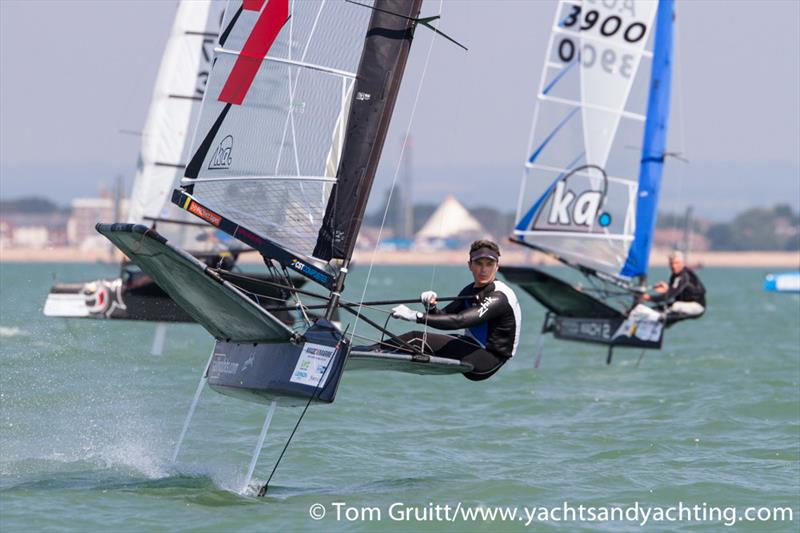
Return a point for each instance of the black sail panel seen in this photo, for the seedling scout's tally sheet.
(380, 72)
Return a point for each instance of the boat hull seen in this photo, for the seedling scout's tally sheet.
(110, 299)
(290, 373)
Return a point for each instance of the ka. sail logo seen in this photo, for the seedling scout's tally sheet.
(576, 205)
(222, 158)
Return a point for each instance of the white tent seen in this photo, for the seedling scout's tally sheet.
(450, 221)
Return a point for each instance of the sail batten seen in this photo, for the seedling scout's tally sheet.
(327, 179)
(585, 193)
(179, 88)
(584, 105)
(311, 66)
(290, 135)
(267, 126)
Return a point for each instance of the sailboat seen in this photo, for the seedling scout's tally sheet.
(290, 134)
(175, 104)
(592, 176)
(176, 97)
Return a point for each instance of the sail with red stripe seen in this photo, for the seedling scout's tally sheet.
(269, 138)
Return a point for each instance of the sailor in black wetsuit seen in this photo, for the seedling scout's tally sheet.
(487, 309)
(684, 293)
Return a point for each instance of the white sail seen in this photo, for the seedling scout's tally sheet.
(177, 94)
(580, 191)
(270, 132)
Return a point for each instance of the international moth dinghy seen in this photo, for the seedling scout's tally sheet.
(291, 129)
(592, 177)
(174, 108)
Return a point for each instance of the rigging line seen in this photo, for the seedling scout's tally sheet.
(293, 88)
(405, 301)
(681, 120)
(259, 296)
(317, 390)
(430, 288)
(291, 97)
(233, 278)
(375, 325)
(396, 172)
(386, 326)
(367, 338)
(295, 295)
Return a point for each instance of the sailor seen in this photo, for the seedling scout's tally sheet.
(684, 294)
(488, 310)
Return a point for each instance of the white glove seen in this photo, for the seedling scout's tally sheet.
(428, 298)
(404, 313)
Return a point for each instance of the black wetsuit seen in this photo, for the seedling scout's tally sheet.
(684, 286)
(492, 321)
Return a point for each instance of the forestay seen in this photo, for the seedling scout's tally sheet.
(174, 107)
(593, 171)
(271, 129)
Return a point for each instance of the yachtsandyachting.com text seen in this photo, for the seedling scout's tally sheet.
(566, 512)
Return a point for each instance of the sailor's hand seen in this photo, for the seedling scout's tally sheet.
(428, 298)
(646, 297)
(661, 287)
(404, 313)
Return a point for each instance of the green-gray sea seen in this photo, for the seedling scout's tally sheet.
(90, 418)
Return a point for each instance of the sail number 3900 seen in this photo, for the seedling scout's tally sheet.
(608, 59)
(608, 28)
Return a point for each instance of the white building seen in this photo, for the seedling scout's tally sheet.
(451, 225)
(86, 212)
(31, 237)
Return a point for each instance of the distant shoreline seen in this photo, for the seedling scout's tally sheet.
(751, 259)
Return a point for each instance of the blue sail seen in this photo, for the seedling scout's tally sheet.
(655, 140)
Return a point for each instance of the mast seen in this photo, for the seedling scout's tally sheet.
(654, 145)
(380, 72)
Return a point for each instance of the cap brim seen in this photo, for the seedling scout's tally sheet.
(483, 255)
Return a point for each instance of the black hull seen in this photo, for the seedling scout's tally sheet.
(574, 315)
(135, 297)
(611, 332)
(290, 373)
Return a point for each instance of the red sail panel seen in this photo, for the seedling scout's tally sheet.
(258, 43)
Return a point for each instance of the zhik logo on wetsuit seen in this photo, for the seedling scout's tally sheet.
(222, 156)
(485, 305)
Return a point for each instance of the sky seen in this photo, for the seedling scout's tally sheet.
(75, 76)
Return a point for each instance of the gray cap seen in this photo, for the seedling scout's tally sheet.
(484, 252)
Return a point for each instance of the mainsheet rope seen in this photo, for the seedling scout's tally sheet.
(394, 179)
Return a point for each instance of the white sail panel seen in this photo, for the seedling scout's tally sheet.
(176, 97)
(262, 160)
(579, 191)
(608, 65)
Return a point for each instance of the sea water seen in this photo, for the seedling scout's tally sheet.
(709, 424)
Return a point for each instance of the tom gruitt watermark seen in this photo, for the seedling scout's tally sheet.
(635, 513)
